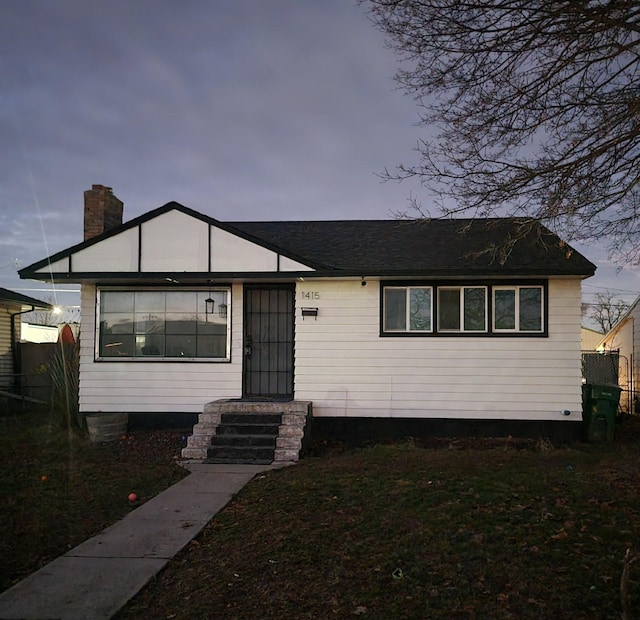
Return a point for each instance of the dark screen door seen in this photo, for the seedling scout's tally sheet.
(268, 342)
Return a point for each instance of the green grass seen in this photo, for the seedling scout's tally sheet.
(57, 489)
(401, 531)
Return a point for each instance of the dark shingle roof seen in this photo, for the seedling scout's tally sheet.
(415, 248)
(431, 247)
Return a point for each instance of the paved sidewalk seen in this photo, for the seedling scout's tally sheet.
(97, 578)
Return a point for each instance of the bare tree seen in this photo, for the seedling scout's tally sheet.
(41, 317)
(532, 109)
(607, 311)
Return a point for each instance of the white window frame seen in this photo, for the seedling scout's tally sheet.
(462, 329)
(517, 288)
(161, 358)
(407, 329)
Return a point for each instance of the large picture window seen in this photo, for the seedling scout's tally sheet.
(164, 324)
(463, 309)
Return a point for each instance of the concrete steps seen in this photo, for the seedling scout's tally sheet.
(245, 438)
(235, 431)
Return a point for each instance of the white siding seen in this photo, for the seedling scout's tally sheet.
(118, 253)
(626, 341)
(6, 354)
(347, 369)
(174, 241)
(60, 266)
(231, 253)
(287, 264)
(155, 387)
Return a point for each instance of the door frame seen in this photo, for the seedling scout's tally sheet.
(289, 286)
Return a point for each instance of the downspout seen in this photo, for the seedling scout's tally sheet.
(14, 347)
(632, 362)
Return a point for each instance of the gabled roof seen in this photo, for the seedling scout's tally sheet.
(27, 272)
(393, 248)
(23, 300)
(430, 247)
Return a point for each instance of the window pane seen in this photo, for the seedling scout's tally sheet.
(147, 323)
(180, 323)
(115, 345)
(449, 309)
(180, 346)
(117, 324)
(150, 345)
(211, 324)
(531, 309)
(116, 301)
(420, 309)
(186, 301)
(219, 302)
(149, 301)
(504, 308)
(475, 309)
(395, 309)
(212, 346)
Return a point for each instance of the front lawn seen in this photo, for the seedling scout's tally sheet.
(57, 489)
(463, 530)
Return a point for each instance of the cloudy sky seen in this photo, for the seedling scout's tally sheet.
(239, 109)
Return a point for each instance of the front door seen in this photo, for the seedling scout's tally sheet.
(268, 341)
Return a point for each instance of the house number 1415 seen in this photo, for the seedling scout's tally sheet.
(310, 295)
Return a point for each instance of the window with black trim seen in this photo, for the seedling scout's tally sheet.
(407, 309)
(518, 309)
(164, 324)
(472, 309)
(462, 309)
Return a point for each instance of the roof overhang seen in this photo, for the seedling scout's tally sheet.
(25, 301)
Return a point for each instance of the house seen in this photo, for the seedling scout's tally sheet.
(622, 344)
(12, 306)
(62, 323)
(38, 334)
(589, 338)
(385, 326)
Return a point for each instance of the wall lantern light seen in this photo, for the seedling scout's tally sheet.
(209, 302)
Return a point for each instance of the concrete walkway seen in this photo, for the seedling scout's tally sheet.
(97, 578)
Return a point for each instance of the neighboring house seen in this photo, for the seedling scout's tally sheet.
(12, 306)
(30, 332)
(624, 339)
(382, 325)
(42, 326)
(589, 338)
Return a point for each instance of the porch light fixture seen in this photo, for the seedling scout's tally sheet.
(209, 303)
(222, 310)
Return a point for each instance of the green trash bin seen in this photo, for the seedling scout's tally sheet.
(599, 410)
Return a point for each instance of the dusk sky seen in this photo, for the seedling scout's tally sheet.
(239, 109)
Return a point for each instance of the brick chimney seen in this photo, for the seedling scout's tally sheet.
(102, 211)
